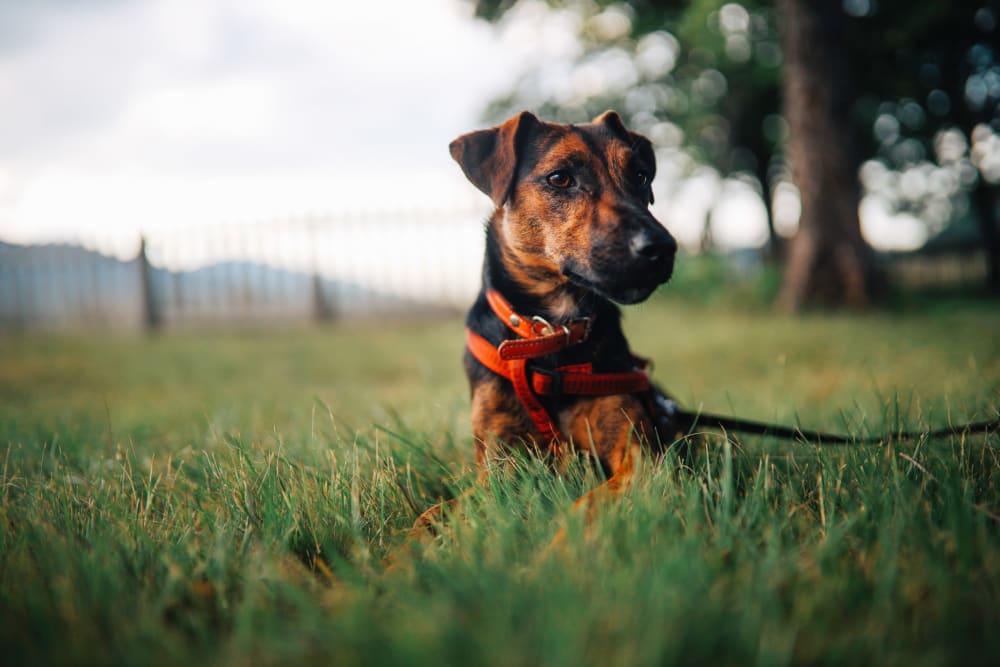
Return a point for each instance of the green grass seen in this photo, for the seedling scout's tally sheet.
(231, 498)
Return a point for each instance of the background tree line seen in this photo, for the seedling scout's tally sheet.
(893, 97)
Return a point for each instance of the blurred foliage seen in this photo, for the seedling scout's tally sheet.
(703, 80)
(929, 104)
(683, 73)
(736, 280)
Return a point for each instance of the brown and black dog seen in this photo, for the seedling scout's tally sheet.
(571, 235)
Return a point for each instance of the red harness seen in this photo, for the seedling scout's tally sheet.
(538, 338)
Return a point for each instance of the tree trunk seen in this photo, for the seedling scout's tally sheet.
(828, 262)
(775, 250)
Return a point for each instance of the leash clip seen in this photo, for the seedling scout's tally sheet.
(669, 407)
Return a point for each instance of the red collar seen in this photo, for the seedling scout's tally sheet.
(539, 338)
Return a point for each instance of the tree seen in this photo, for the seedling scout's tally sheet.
(903, 79)
(930, 92)
(829, 261)
(729, 82)
(716, 94)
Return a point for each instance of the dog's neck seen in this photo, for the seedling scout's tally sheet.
(532, 291)
(533, 288)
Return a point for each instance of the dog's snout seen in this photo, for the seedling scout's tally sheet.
(653, 246)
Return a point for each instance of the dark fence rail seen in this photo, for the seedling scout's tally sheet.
(301, 269)
(966, 267)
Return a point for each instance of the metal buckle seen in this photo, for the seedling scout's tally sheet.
(547, 328)
(567, 333)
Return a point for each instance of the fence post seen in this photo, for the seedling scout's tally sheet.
(322, 309)
(150, 313)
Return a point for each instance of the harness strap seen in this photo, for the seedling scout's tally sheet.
(584, 382)
(576, 379)
(515, 370)
(539, 338)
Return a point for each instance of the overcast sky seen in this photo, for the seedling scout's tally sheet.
(125, 113)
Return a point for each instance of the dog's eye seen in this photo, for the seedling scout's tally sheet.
(645, 183)
(559, 179)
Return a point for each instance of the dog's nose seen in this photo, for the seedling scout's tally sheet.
(653, 246)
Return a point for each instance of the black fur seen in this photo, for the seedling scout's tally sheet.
(606, 347)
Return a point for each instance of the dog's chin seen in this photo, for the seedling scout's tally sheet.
(630, 295)
(624, 295)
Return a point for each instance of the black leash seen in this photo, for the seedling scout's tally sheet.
(686, 420)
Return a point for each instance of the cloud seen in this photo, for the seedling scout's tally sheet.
(68, 78)
(217, 74)
(21, 23)
(184, 93)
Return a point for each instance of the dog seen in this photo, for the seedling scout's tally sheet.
(571, 236)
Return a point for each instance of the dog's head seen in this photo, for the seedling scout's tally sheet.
(575, 199)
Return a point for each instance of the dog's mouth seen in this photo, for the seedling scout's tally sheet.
(624, 293)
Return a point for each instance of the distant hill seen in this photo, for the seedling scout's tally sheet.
(63, 285)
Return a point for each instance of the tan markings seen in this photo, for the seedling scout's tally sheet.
(611, 428)
(540, 233)
(500, 422)
(569, 148)
(604, 425)
(617, 155)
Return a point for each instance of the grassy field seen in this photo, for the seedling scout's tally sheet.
(231, 498)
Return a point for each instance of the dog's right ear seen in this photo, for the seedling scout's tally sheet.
(489, 157)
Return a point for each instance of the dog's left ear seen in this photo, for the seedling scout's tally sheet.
(489, 157)
(639, 143)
